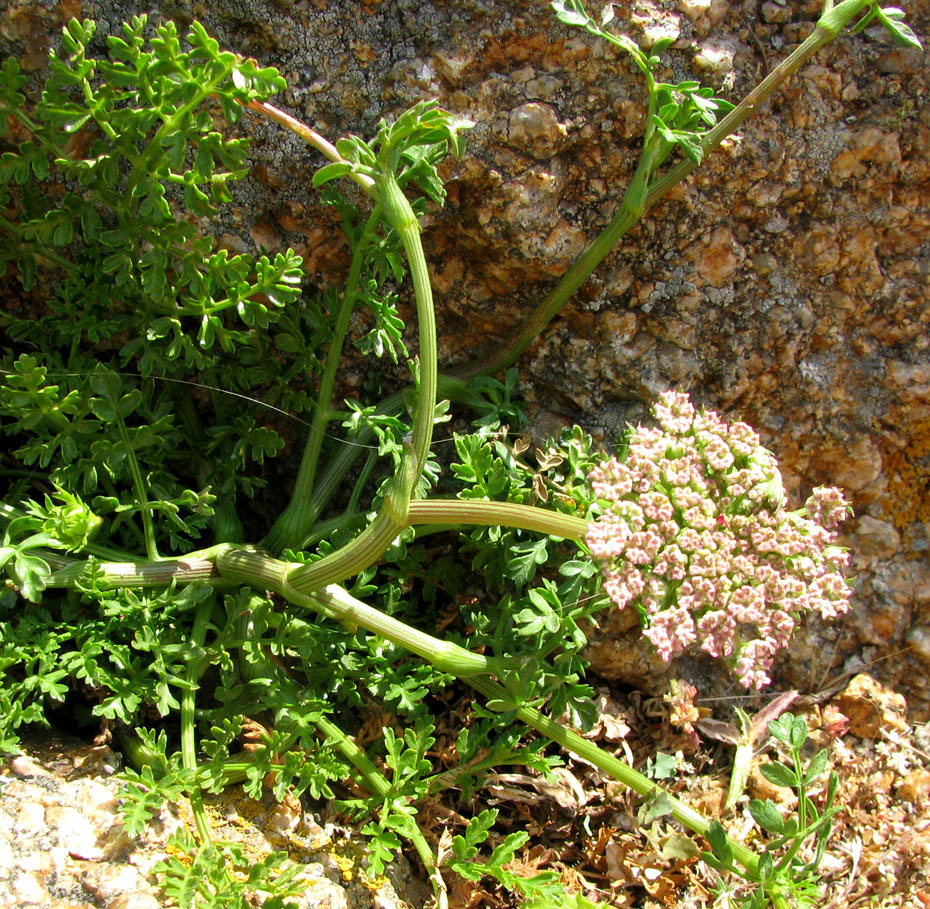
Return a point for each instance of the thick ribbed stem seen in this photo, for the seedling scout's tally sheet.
(444, 655)
(258, 569)
(362, 552)
(369, 545)
(401, 217)
(462, 512)
(133, 574)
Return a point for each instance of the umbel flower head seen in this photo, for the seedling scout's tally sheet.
(696, 536)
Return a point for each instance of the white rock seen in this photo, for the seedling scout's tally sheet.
(27, 889)
(93, 796)
(24, 766)
(111, 882)
(30, 818)
(75, 832)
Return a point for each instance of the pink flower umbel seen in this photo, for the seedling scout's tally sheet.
(696, 536)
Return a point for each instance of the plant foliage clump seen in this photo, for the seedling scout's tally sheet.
(147, 367)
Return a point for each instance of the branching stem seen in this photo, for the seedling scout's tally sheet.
(371, 544)
(310, 136)
(294, 523)
(828, 27)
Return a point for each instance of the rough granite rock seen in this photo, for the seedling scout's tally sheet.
(785, 284)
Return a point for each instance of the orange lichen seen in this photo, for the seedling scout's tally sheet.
(908, 472)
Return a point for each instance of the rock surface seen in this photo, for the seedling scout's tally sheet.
(785, 284)
(63, 844)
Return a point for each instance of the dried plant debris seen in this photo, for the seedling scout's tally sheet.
(64, 844)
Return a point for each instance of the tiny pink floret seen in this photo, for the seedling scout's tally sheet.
(696, 535)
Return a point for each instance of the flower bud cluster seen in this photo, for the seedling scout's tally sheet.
(683, 713)
(696, 536)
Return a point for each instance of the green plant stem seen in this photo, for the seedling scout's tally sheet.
(802, 797)
(357, 555)
(361, 481)
(371, 544)
(831, 23)
(138, 482)
(195, 668)
(458, 512)
(742, 765)
(826, 30)
(569, 284)
(373, 777)
(796, 842)
(311, 137)
(378, 783)
(195, 567)
(258, 569)
(226, 523)
(444, 655)
(351, 521)
(632, 208)
(616, 768)
(401, 217)
(294, 523)
(204, 565)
